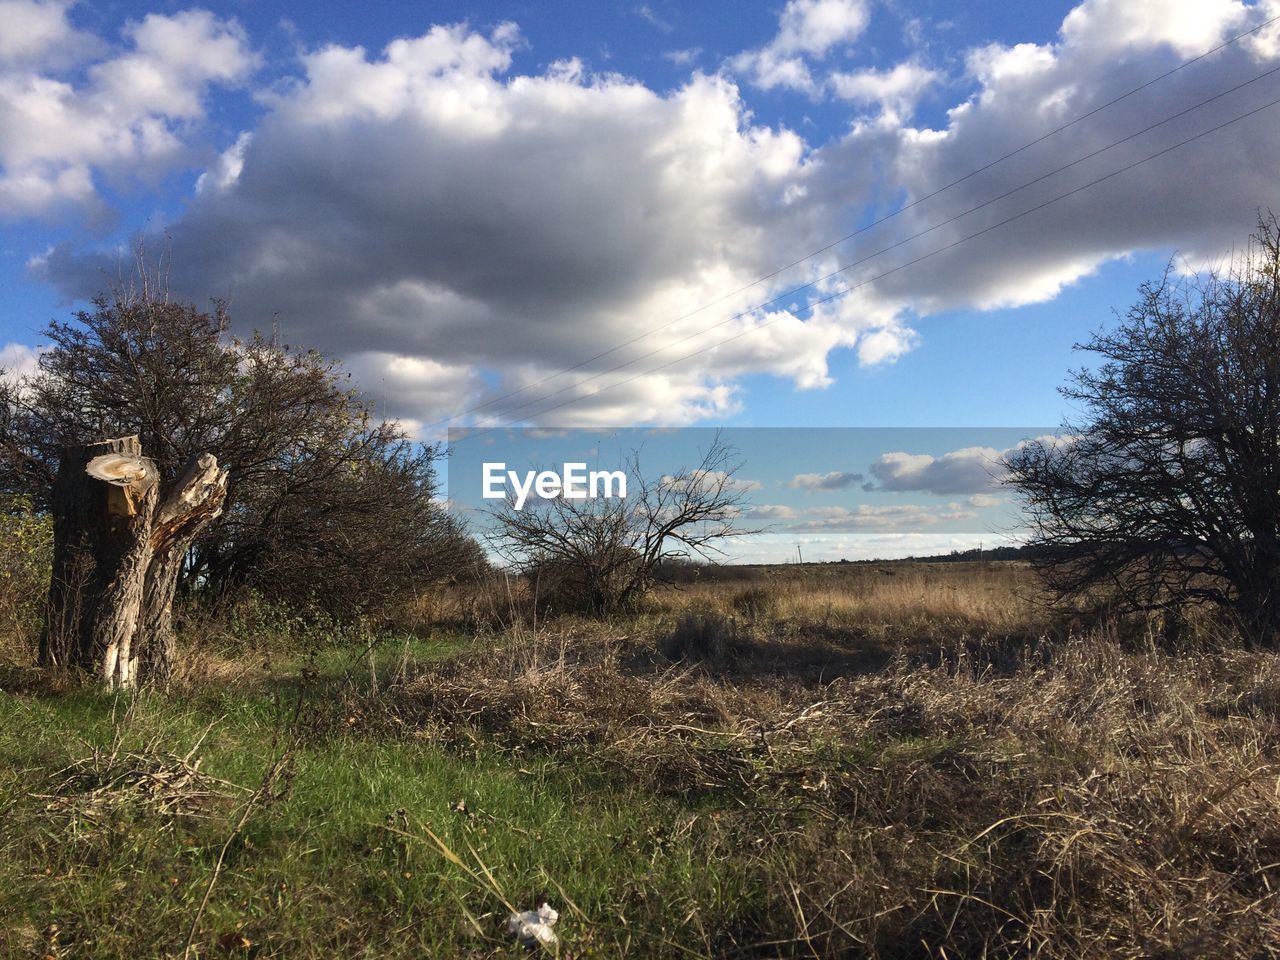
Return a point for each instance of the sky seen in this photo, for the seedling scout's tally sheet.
(808, 213)
(814, 494)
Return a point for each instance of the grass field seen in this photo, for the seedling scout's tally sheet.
(898, 760)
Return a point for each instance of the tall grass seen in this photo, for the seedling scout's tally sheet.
(884, 762)
(26, 557)
(986, 596)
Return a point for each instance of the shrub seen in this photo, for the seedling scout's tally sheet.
(26, 554)
(705, 637)
(601, 556)
(755, 603)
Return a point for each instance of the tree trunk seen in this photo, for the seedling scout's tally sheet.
(101, 536)
(117, 548)
(195, 502)
(1257, 611)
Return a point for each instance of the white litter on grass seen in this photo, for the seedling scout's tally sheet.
(533, 927)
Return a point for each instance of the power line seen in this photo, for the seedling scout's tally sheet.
(909, 263)
(871, 256)
(875, 223)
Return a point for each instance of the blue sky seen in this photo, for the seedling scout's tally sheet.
(835, 492)
(462, 201)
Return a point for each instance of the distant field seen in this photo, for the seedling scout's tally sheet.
(890, 760)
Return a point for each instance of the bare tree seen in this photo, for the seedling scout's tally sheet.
(1168, 493)
(601, 555)
(317, 485)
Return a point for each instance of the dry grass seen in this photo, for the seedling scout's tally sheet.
(891, 761)
(152, 783)
(893, 598)
(1078, 799)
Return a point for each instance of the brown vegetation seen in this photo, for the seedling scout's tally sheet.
(890, 760)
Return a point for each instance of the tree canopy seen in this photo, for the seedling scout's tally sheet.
(1167, 492)
(326, 501)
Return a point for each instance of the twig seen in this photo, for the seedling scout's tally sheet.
(264, 788)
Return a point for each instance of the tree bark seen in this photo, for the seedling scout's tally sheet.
(195, 501)
(103, 503)
(118, 546)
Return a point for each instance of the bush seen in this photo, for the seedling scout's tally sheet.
(602, 556)
(704, 637)
(26, 555)
(328, 504)
(755, 603)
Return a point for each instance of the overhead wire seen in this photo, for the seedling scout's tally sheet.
(900, 267)
(869, 226)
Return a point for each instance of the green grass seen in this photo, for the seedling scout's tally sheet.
(343, 863)
(788, 795)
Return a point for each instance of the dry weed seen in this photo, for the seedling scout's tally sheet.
(150, 782)
(1089, 801)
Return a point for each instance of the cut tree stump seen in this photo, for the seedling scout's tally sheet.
(118, 547)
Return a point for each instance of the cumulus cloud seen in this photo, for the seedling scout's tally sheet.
(1200, 198)
(1188, 26)
(713, 480)
(427, 205)
(39, 30)
(832, 480)
(770, 511)
(813, 27)
(423, 203)
(983, 500)
(858, 545)
(807, 29)
(122, 116)
(18, 360)
(862, 517)
(683, 58)
(896, 91)
(875, 517)
(404, 383)
(970, 470)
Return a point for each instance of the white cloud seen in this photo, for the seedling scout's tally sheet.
(770, 511)
(127, 116)
(885, 344)
(894, 91)
(226, 169)
(807, 29)
(1188, 26)
(645, 12)
(875, 517)
(426, 204)
(828, 547)
(1200, 198)
(863, 517)
(813, 27)
(40, 30)
(982, 500)
(683, 58)
(398, 384)
(712, 480)
(429, 205)
(18, 360)
(970, 470)
(832, 480)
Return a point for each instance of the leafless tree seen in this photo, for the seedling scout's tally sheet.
(601, 555)
(1168, 493)
(325, 501)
